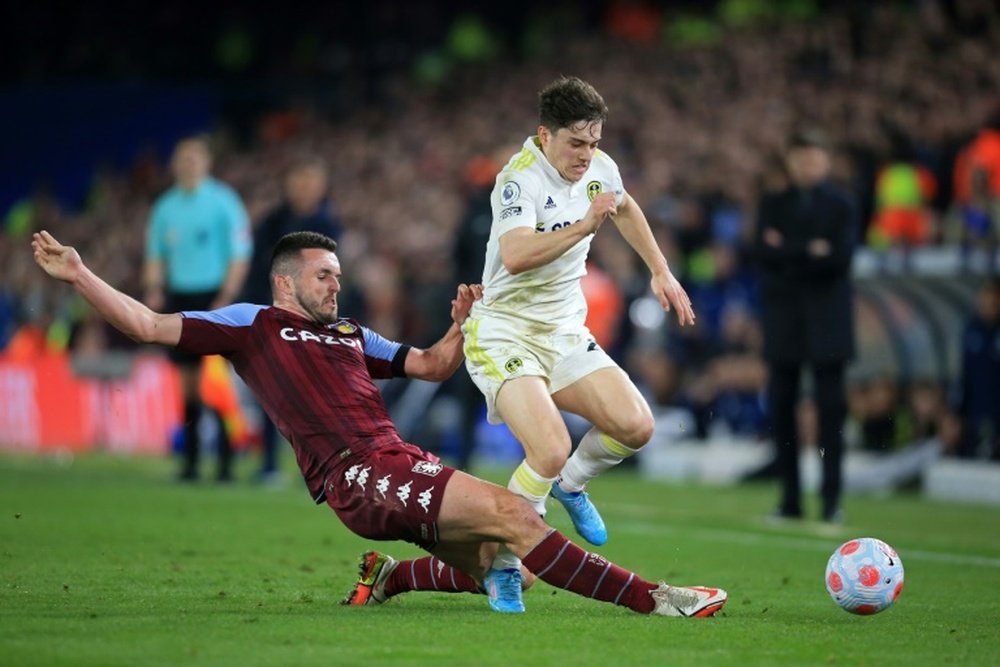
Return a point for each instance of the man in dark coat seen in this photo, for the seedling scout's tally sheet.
(305, 207)
(804, 242)
(979, 379)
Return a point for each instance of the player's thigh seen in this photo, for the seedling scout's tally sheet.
(526, 407)
(474, 511)
(497, 351)
(609, 400)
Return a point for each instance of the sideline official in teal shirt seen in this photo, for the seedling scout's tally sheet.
(199, 238)
(198, 250)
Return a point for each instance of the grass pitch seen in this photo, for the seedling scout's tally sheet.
(106, 561)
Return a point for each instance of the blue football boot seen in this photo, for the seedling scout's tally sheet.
(504, 590)
(586, 519)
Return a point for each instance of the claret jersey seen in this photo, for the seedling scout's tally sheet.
(530, 192)
(314, 381)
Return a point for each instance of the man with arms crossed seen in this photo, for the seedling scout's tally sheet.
(312, 371)
(526, 345)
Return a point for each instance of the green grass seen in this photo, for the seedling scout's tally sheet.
(105, 561)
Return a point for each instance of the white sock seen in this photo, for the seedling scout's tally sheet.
(506, 560)
(596, 453)
(531, 486)
(534, 488)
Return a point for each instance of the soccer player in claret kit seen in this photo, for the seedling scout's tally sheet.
(313, 371)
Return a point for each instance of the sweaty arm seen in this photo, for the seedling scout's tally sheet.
(634, 228)
(122, 311)
(521, 249)
(438, 362)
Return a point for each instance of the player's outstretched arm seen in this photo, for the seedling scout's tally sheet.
(123, 312)
(634, 227)
(441, 360)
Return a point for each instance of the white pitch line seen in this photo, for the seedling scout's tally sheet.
(802, 543)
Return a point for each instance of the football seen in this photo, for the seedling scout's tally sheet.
(864, 576)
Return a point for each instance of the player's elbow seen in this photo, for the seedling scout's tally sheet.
(145, 332)
(430, 367)
(447, 367)
(514, 263)
(514, 269)
(153, 328)
(437, 374)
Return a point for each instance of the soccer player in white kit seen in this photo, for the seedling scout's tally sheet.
(526, 345)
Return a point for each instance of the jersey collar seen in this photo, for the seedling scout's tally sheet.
(533, 145)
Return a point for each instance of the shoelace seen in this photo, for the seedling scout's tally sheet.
(579, 501)
(679, 597)
(509, 586)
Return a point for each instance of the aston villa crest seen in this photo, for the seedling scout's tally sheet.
(344, 327)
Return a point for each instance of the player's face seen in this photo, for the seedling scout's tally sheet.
(570, 149)
(318, 284)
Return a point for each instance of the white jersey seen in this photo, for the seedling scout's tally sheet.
(529, 192)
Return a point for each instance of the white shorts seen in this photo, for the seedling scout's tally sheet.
(500, 348)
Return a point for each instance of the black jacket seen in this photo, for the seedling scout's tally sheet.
(979, 382)
(806, 301)
(278, 222)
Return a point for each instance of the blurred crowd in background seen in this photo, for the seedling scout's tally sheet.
(413, 111)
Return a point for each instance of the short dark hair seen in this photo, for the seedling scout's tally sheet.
(202, 140)
(308, 161)
(568, 101)
(809, 137)
(289, 248)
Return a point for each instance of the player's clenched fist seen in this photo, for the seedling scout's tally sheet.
(602, 206)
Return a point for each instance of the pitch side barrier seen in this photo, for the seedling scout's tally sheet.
(126, 403)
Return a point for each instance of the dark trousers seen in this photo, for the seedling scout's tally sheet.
(831, 405)
(980, 437)
(192, 442)
(268, 445)
(190, 365)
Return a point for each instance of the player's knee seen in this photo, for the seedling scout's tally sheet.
(549, 462)
(643, 430)
(520, 523)
(634, 429)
